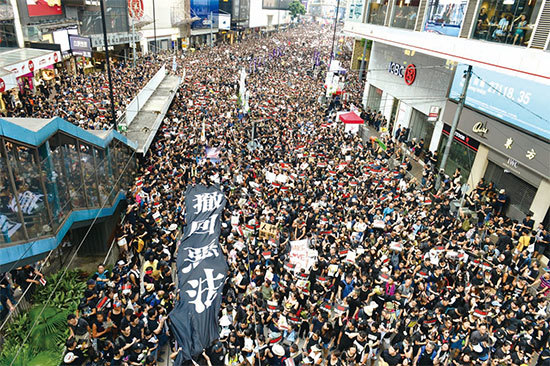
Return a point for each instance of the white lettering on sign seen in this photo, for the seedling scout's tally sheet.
(396, 69)
(197, 255)
(204, 226)
(206, 202)
(460, 136)
(513, 163)
(202, 285)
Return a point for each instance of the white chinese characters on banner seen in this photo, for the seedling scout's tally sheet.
(196, 255)
(8, 227)
(208, 284)
(28, 202)
(204, 226)
(206, 202)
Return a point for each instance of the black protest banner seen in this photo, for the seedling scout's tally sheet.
(201, 273)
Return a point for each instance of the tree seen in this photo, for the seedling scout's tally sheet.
(296, 9)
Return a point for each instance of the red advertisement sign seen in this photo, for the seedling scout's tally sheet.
(40, 8)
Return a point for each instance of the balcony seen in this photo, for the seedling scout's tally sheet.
(527, 63)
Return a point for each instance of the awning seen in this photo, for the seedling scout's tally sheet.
(22, 61)
(7, 80)
(351, 118)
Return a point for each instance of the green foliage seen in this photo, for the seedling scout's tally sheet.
(50, 330)
(296, 9)
(68, 293)
(46, 340)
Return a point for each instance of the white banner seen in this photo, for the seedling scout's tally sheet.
(224, 21)
(301, 256)
(28, 66)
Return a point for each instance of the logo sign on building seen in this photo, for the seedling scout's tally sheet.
(80, 46)
(135, 9)
(2, 85)
(40, 8)
(407, 72)
(518, 102)
(480, 128)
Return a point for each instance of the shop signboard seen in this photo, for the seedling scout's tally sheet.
(433, 116)
(420, 80)
(463, 138)
(445, 16)
(80, 46)
(40, 8)
(516, 101)
(114, 38)
(28, 66)
(523, 149)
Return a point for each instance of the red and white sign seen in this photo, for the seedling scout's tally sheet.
(135, 9)
(2, 85)
(25, 67)
(40, 8)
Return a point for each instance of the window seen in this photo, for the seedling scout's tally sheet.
(507, 21)
(445, 16)
(377, 11)
(460, 157)
(10, 218)
(374, 98)
(405, 13)
(30, 198)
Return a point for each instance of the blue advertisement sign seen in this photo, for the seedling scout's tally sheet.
(445, 17)
(202, 9)
(511, 99)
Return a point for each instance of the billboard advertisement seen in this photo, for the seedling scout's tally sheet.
(445, 16)
(511, 99)
(80, 46)
(40, 8)
(202, 9)
(276, 4)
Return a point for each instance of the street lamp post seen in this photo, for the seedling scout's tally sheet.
(155, 27)
(108, 64)
(334, 34)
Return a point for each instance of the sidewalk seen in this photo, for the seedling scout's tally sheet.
(417, 166)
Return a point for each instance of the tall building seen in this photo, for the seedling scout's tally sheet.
(416, 55)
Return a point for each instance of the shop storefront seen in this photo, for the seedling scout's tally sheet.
(405, 85)
(462, 154)
(513, 160)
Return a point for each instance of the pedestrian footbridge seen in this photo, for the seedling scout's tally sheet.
(55, 178)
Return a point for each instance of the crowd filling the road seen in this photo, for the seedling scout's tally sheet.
(83, 99)
(362, 263)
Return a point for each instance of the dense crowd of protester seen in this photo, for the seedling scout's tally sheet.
(390, 276)
(83, 99)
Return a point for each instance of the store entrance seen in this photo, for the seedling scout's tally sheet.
(521, 194)
(421, 128)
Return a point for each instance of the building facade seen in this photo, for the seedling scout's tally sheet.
(420, 50)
